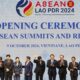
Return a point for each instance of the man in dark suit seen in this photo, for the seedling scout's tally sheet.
(62, 66)
(1, 69)
(17, 68)
(52, 65)
(79, 68)
(73, 68)
(8, 66)
(40, 68)
(28, 68)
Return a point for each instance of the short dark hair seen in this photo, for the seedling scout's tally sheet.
(28, 57)
(74, 57)
(39, 57)
(8, 55)
(62, 55)
(51, 55)
(17, 58)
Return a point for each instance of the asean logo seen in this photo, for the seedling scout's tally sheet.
(24, 8)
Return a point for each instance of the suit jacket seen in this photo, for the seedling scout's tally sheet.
(75, 71)
(79, 65)
(79, 68)
(62, 67)
(52, 69)
(28, 68)
(9, 65)
(40, 68)
(2, 68)
(18, 69)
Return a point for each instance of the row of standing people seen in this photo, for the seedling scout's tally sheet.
(61, 64)
(8, 67)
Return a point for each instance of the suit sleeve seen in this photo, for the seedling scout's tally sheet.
(48, 64)
(77, 66)
(35, 61)
(43, 66)
(20, 68)
(65, 64)
(69, 66)
(31, 67)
